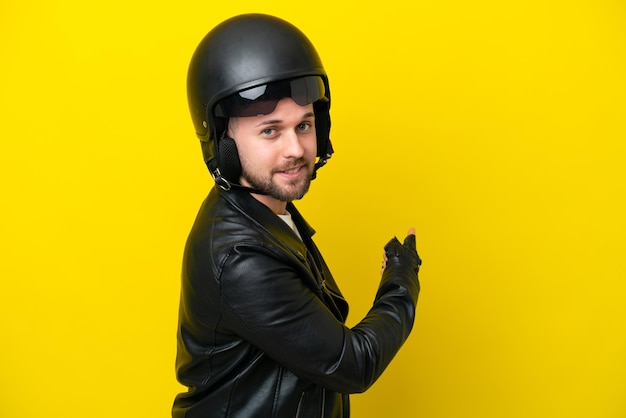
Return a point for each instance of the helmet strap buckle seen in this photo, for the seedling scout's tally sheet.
(219, 180)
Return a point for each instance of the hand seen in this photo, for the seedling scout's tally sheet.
(406, 252)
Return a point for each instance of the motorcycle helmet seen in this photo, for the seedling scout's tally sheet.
(243, 67)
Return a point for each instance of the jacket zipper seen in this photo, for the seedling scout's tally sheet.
(329, 290)
(299, 405)
(301, 401)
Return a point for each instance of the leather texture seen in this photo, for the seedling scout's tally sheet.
(262, 322)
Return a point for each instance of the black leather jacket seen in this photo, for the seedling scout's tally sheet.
(261, 323)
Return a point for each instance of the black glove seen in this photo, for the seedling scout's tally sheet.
(403, 254)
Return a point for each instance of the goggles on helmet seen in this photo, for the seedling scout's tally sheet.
(262, 100)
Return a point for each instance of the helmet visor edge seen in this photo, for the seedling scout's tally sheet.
(262, 100)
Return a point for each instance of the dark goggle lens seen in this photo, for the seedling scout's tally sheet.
(262, 100)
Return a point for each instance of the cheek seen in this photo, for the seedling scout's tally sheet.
(252, 156)
(310, 146)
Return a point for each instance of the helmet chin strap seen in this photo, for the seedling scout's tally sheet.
(226, 185)
(319, 164)
(324, 156)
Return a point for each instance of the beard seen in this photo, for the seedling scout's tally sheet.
(292, 190)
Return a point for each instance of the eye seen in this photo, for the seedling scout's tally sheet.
(304, 126)
(268, 132)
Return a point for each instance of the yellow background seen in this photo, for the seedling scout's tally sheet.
(496, 128)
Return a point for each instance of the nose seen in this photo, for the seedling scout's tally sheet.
(292, 145)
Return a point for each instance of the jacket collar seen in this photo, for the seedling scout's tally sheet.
(263, 216)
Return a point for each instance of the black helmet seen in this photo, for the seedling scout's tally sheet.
(243, 59)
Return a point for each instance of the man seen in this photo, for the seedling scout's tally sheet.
(261, 323)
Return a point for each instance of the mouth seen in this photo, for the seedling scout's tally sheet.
(292, 171)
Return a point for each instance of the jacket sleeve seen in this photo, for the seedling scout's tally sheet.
(268, 304)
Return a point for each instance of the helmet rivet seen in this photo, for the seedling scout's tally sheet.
(204, 123)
